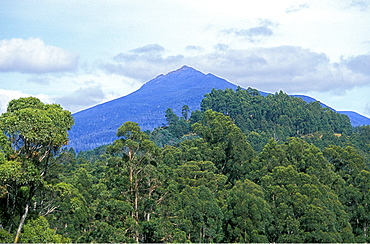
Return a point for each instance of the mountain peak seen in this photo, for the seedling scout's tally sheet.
(185, 70)
(180, 78)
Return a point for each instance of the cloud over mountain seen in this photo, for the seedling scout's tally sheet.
(82, 98)
(288, 68)
(142, 63)
(34, 56)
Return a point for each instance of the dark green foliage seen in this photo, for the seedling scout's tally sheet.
(176, 131)
(257, 170)
(230, 150)
(249, 214)
(279, 115)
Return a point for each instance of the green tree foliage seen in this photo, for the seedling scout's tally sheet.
(249, 214)
(229, 145)
(38, 231)
(360, 218)
(36, 131)
(246, 168)
(175, 131)
(278, 115)
(194, 202)
(131, 181)
(185, 112)
(304, 210)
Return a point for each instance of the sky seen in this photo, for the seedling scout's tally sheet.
(82, 53)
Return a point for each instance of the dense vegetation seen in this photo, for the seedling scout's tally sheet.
(246, 168)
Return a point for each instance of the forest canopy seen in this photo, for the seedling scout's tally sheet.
(244, 168)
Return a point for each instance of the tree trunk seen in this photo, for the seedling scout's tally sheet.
(21, 223)
(136, 208)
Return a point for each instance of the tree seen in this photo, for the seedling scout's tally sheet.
(230, 149)
(38, 231)
(361, 218)
(303, 209)
(195, 205)
(133, 169)
(176, 127)
(185, 111)
(171, 117)
(249, 213)
(347, 161)
(36, 132)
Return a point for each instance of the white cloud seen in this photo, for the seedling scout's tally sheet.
(143, 63)
(252, 34)
(288, 68)
(73, 91)
(7, 95)
(83, 90)
(361, 5)
(148, 49)
(296, 8)
(82, 98)
(34, 56)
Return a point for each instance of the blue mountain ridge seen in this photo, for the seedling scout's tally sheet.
(97, 125)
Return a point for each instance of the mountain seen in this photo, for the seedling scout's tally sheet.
(98, 125)
(186, 86)
(356, 119)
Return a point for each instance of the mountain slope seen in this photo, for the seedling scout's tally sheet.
(186, 86)
(97, 125)
(355, 118)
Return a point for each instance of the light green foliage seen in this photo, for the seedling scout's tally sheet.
(38, 231)
(304, 157)
(33, 126)
(6, 237)
(35, 133)
(201, 173)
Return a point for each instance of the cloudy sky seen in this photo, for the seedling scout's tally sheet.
(82, 53)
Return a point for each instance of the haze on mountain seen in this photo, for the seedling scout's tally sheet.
(186, 86)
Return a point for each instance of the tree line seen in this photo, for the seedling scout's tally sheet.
(244, 168)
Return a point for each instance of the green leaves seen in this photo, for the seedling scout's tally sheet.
(38, 231)
(250, 214)
(35, 132)
(278, 115)
(131, 131)
(226, 141)
(35, 129)
(303, 208)
(209, 186)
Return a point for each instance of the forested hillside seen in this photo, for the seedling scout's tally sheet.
(243, 168)
(96, 126)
